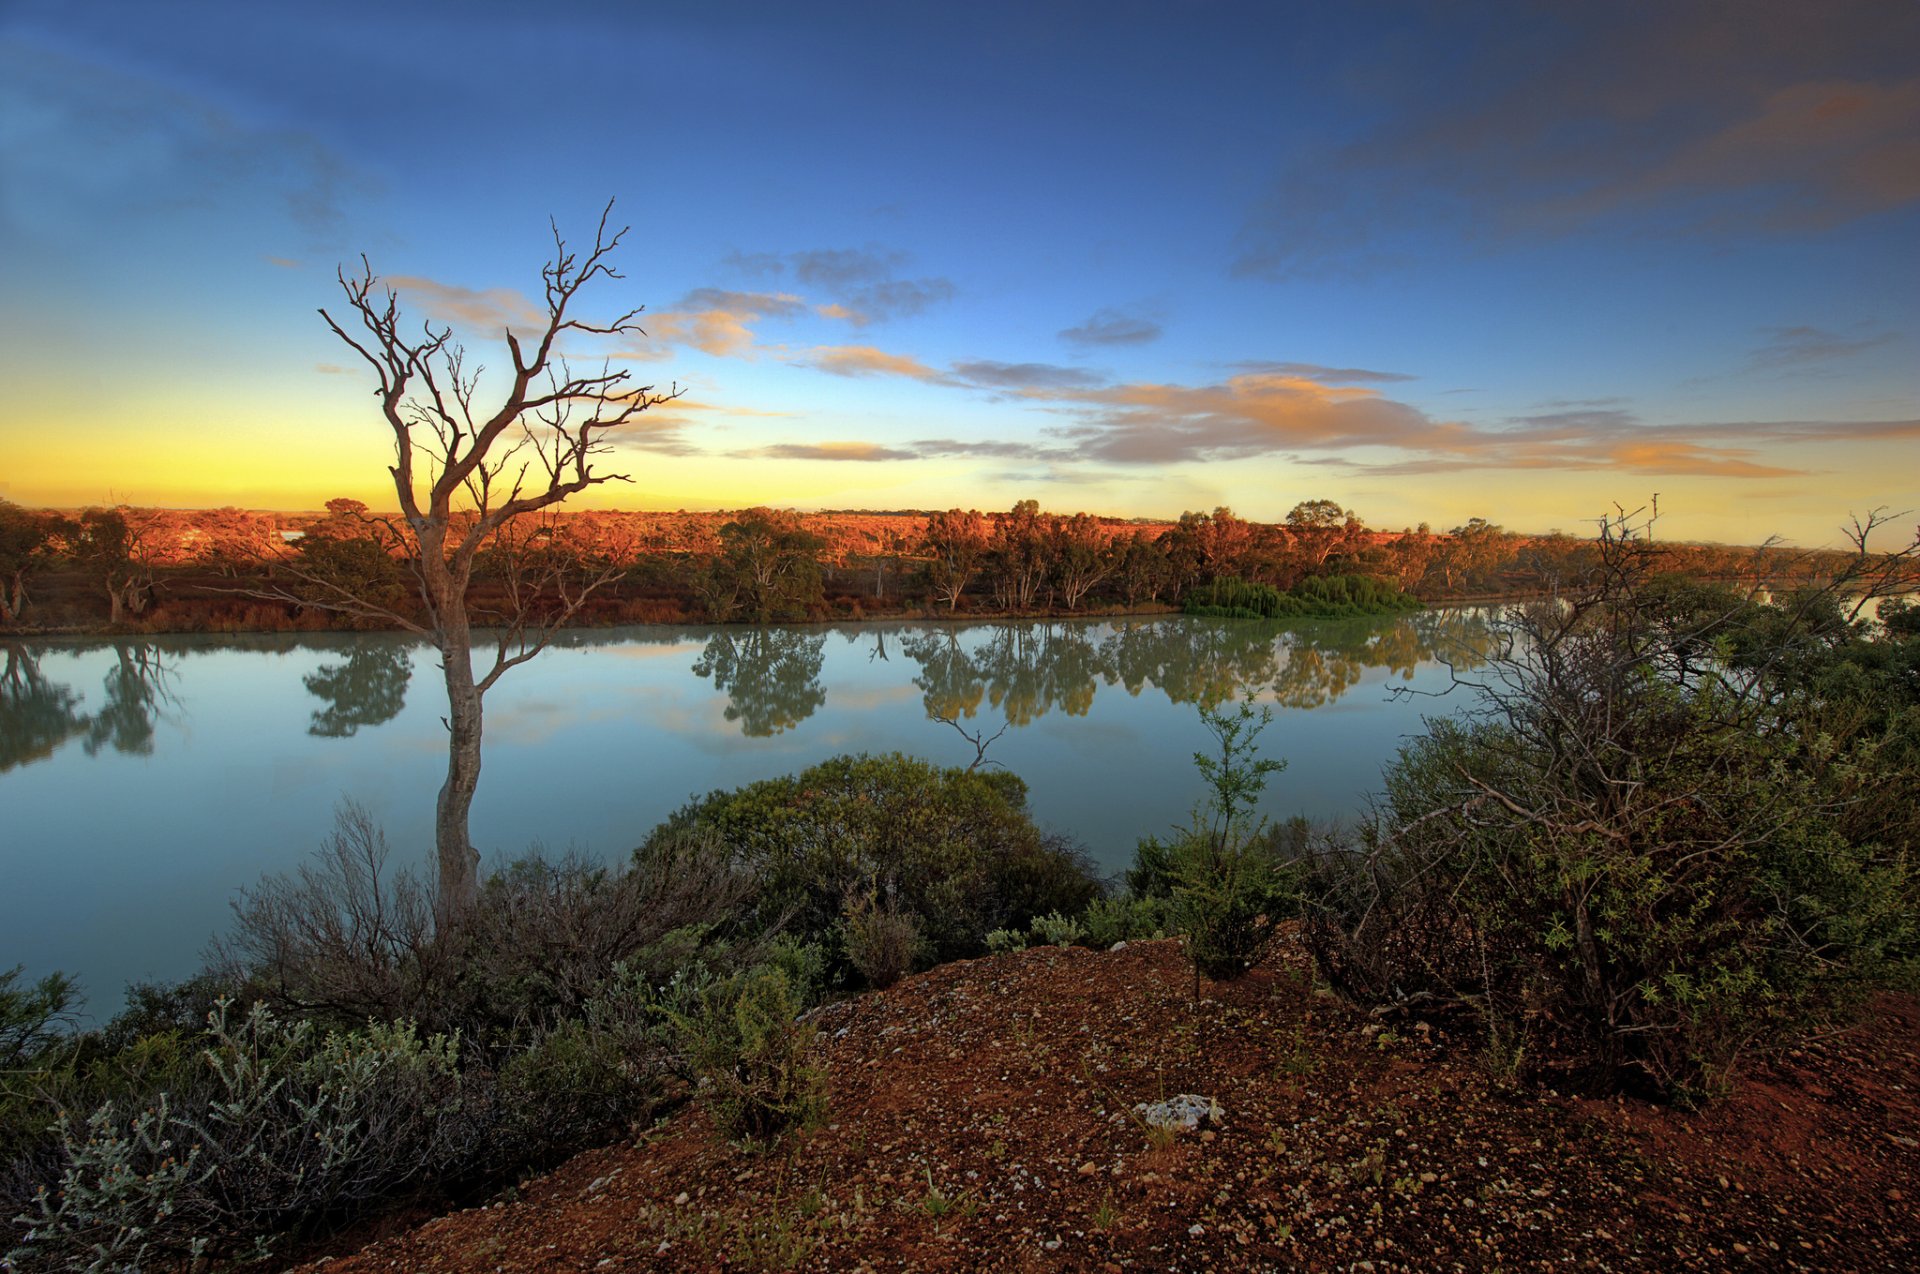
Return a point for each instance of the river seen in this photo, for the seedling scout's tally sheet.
(143, 781)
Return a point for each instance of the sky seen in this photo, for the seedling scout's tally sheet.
(1429, 260)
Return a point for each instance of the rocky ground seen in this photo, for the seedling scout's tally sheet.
(983, 1117)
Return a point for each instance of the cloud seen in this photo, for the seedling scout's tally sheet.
(719, 322)
(491, 309)
(1300, 411)
(1576, 420)
(865, 360)
(1326, 375)
(865, 283)
(1269, 413)
(1792, 347)
(285, 263)
(329, 369)
(862, 451)
(1689, 116)
(1112, 327)
(1004, 449)
(90, 149)
(994, 375)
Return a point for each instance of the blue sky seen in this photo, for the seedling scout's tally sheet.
(1430, 260)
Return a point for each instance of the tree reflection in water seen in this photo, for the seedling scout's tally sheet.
(1026, 670)
(771, 676)
(369, 689)
(36, 715)
(138, 688)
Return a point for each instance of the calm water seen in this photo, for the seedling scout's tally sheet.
(142, 782)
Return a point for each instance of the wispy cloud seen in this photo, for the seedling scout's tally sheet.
(1112, 327)
(1799, 347)
(1020, 376)
(865, 360)
(1776, 118)
(866, 284)
(1323, 374)
(85, 138)
(1118, 426)
(720, 322)
(856, 451)
(486, 310)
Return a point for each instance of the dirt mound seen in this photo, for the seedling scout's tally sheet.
(983, 1118)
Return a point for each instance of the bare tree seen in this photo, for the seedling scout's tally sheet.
(463, 474)
(1869, 576)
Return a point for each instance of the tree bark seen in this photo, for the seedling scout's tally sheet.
(458, 861)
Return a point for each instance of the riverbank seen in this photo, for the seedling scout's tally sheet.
(982, 1116)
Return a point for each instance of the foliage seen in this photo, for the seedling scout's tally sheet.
(1317, 596)
(26, 550)
(768, 567)
(957, 849)
(1125, 919)
(281, 1126)
(1056, 930)
(1651, 851)
(1002, 941)
(955, 544)
(748, 1048)
(1227, 889)
(880, 939)
(33, 1020)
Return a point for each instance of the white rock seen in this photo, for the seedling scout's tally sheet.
(1186, 1111)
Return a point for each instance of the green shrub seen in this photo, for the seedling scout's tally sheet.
(1316, 597)
(957, 849)
(748, 1049)
(33, 1019)
(284, 1126)
(1001, 941)
(1125, 919)
(1056, 930)
(880, 939)
(1225, 889)
(1649, 853)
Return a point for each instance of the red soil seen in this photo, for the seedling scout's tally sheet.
(981, 1120)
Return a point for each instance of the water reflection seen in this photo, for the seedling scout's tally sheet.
(369, 689)
(771, 676)
(1023, 671)
(37, 715)
(137, 688)
(1015, 673)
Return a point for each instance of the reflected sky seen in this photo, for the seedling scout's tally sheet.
(143, 782)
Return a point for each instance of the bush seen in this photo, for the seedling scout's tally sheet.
(35, 1019)
(1636, 863)
(1126, 919)
(1316, 597)
(955, 849)
(1002, 941)
(344, 938)
(1223, 886)
(748, 1049)
(1056, 930)
(283, 1127)
(880, 939)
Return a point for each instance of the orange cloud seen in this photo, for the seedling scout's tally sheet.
(865, 360)
(862, 451)
(491, 310)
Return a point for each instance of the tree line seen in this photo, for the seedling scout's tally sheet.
(232, 569)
